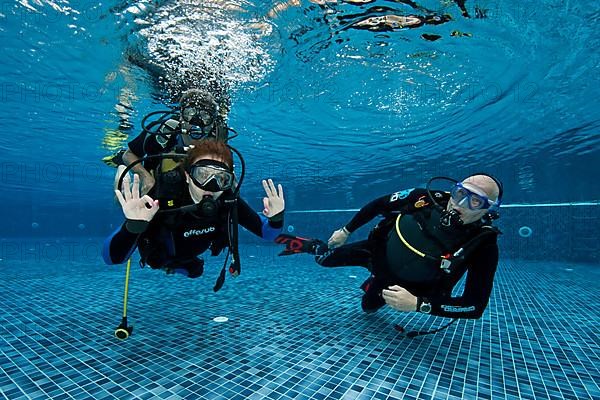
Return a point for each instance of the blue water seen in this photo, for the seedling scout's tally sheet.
(338, 116)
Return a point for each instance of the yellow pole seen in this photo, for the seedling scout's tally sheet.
(126, 288)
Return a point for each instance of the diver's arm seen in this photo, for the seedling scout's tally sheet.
(139, 211)
(385, 204)
(119, 246)
(261, 226)
(478, 287)
(388, 203)
(402, 201)
(367, 213)
(129, 157)
(135, 152)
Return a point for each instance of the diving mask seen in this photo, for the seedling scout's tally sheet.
(200, 110)
(198, 116)
(466, 198)
(211, 175)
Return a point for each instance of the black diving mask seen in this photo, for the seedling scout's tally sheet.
(201, 119)
(212, 176)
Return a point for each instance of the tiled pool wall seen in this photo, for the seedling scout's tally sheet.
(567, 233)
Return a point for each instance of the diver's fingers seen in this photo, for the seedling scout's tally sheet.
(120, 198)
(126, 188)
(331, 241)
(280, 190)
(272, 187)
(267, 188)
(135, 189)
(153, 205)
(395, 288)
(149, 201)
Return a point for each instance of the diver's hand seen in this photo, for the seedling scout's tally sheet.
(399, 298)
(338, 238)
(135, 207)
(274, 202)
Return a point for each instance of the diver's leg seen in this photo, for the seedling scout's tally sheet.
(353, 254)
(372, 300)
(192, 268)
(358, 254)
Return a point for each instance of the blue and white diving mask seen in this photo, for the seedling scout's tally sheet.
(466, 198)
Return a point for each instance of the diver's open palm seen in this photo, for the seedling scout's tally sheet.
(274, 202)
(135, 207)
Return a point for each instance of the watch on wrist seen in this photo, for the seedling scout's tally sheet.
(423, 305)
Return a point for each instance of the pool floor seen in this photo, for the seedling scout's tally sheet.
(294, 331)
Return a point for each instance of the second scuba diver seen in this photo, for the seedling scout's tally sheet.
(427, 240)
(197, 116)
(199, 210)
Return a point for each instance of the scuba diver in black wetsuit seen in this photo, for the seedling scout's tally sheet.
(198, 210)
(426, 242)
(196, 117)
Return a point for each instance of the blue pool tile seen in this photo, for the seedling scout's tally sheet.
(283, 341)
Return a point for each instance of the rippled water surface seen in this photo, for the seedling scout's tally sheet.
(339, 114)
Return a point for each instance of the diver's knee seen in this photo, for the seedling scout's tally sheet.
(184, 272)
(324, 260)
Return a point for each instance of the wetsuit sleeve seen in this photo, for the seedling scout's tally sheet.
(137, 145)
(258, 224)
(388, 203)
(478, 287)
(142, 145)
(119, 246)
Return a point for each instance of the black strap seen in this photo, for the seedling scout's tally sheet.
(413, 334)
(221, 279)
(235, 267)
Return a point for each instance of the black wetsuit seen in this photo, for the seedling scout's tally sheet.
(146, 144)
(174, 240)
(480, 261)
